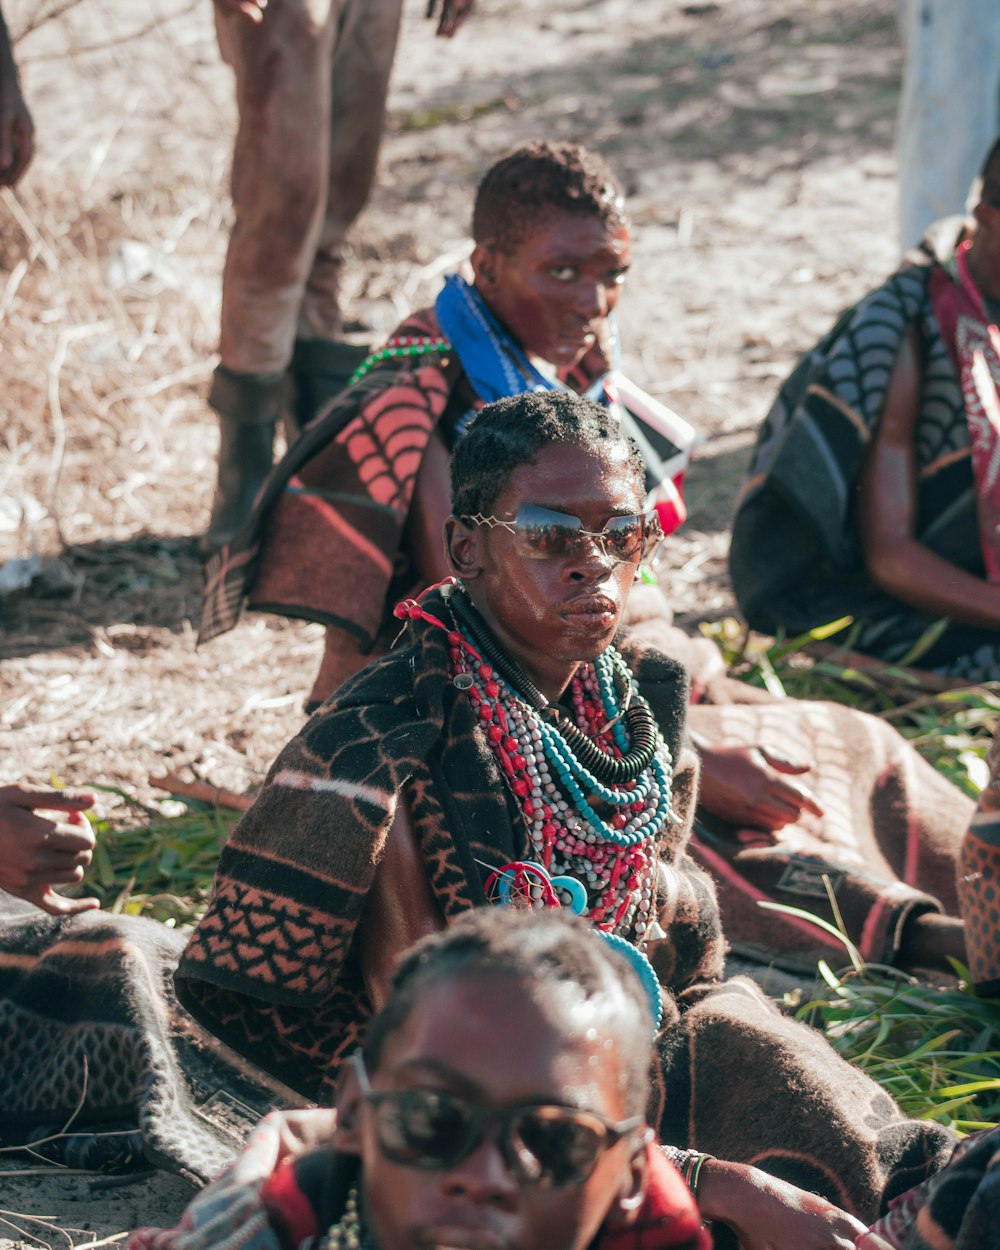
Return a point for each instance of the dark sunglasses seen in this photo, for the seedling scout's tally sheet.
(544, 1145)
(542, 534)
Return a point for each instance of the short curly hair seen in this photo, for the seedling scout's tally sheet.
(552, 952)
(533, 180)
(511, 432)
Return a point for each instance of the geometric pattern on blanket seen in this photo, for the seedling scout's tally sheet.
(91, 1036)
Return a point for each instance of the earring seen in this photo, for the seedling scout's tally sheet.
(632, 1202)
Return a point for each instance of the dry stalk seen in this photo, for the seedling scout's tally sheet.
(154, 24)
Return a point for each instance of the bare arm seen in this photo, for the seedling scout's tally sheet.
(897, 562)
(400, 908)
(429, 509)
(752, 787)
(769, 1214)
(16, 128)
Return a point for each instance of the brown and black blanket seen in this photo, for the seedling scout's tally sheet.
(97, 1057)
(888, 842)
(273, 966)
(795, 561)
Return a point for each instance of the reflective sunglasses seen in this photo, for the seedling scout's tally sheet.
(431, 1129)
(542, 534)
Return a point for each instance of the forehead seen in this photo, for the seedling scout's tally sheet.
(580, 480)
(556, 234)
(504, 1043)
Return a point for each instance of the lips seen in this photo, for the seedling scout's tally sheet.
(458, 1237)
(591, 608)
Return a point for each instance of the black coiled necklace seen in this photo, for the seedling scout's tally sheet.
(640, 724)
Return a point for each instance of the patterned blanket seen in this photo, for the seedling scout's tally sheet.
(795, 559)
(96, 1054)
(272, 967)
(957, 1209)
(323, 540)
(888, 842)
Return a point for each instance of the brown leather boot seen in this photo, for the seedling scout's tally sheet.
(320, 371)
(249, 408)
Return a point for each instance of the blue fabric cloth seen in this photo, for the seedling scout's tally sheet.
(495, 365)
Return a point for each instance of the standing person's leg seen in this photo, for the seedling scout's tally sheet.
(949, 110)
(362, 64)
(279, 181)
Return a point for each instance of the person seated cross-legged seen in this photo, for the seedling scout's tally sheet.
(351, 520)
(513, 731)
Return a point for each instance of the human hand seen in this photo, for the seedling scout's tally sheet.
(248, 10)
(16, 128)
(37, 854)
(279, 1136)
(770, 1214)
(453, 14)
(747, 787)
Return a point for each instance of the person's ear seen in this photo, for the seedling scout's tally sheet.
(347, 1133)
(625, 1209)
(461, 548)
(485, 266)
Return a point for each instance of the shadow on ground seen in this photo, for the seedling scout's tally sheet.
(145, 582)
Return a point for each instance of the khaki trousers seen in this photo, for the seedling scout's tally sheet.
(311, 85)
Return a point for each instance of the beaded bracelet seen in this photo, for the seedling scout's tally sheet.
(395, 348)
(689, 1163)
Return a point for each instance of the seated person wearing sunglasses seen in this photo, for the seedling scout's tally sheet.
(350, 522)
(508, 734)
(497, 1103)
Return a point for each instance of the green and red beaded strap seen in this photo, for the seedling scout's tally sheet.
(399, 347)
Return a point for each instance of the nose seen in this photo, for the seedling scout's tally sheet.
(482, 1177)
(592, 299)
(590, 562)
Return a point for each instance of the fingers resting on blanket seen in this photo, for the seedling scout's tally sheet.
(754, 787)
(769, 1214)
(39, 852)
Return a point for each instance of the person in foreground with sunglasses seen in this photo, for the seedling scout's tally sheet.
(516, 747)
(497, 1102)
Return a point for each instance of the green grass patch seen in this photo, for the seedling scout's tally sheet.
(936, 1051)
(156, 864)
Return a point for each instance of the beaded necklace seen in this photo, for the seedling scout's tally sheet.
(348, 1233)
(400, 345)
(603, 868)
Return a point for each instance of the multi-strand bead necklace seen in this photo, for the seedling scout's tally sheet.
(613, 859)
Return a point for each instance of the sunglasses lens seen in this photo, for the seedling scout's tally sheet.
(554, 1147)
(423, 1129)
(546, 535)
(623, 536)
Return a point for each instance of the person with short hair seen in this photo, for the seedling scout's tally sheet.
(515, 749)
(351, 521)
(498, 1100)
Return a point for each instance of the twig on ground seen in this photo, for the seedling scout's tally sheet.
(203, 792)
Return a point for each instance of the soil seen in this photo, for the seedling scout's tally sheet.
(755, 142)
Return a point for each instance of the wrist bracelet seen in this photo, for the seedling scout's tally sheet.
(689, 1163)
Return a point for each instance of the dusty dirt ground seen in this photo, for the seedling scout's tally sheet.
(755, 140)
